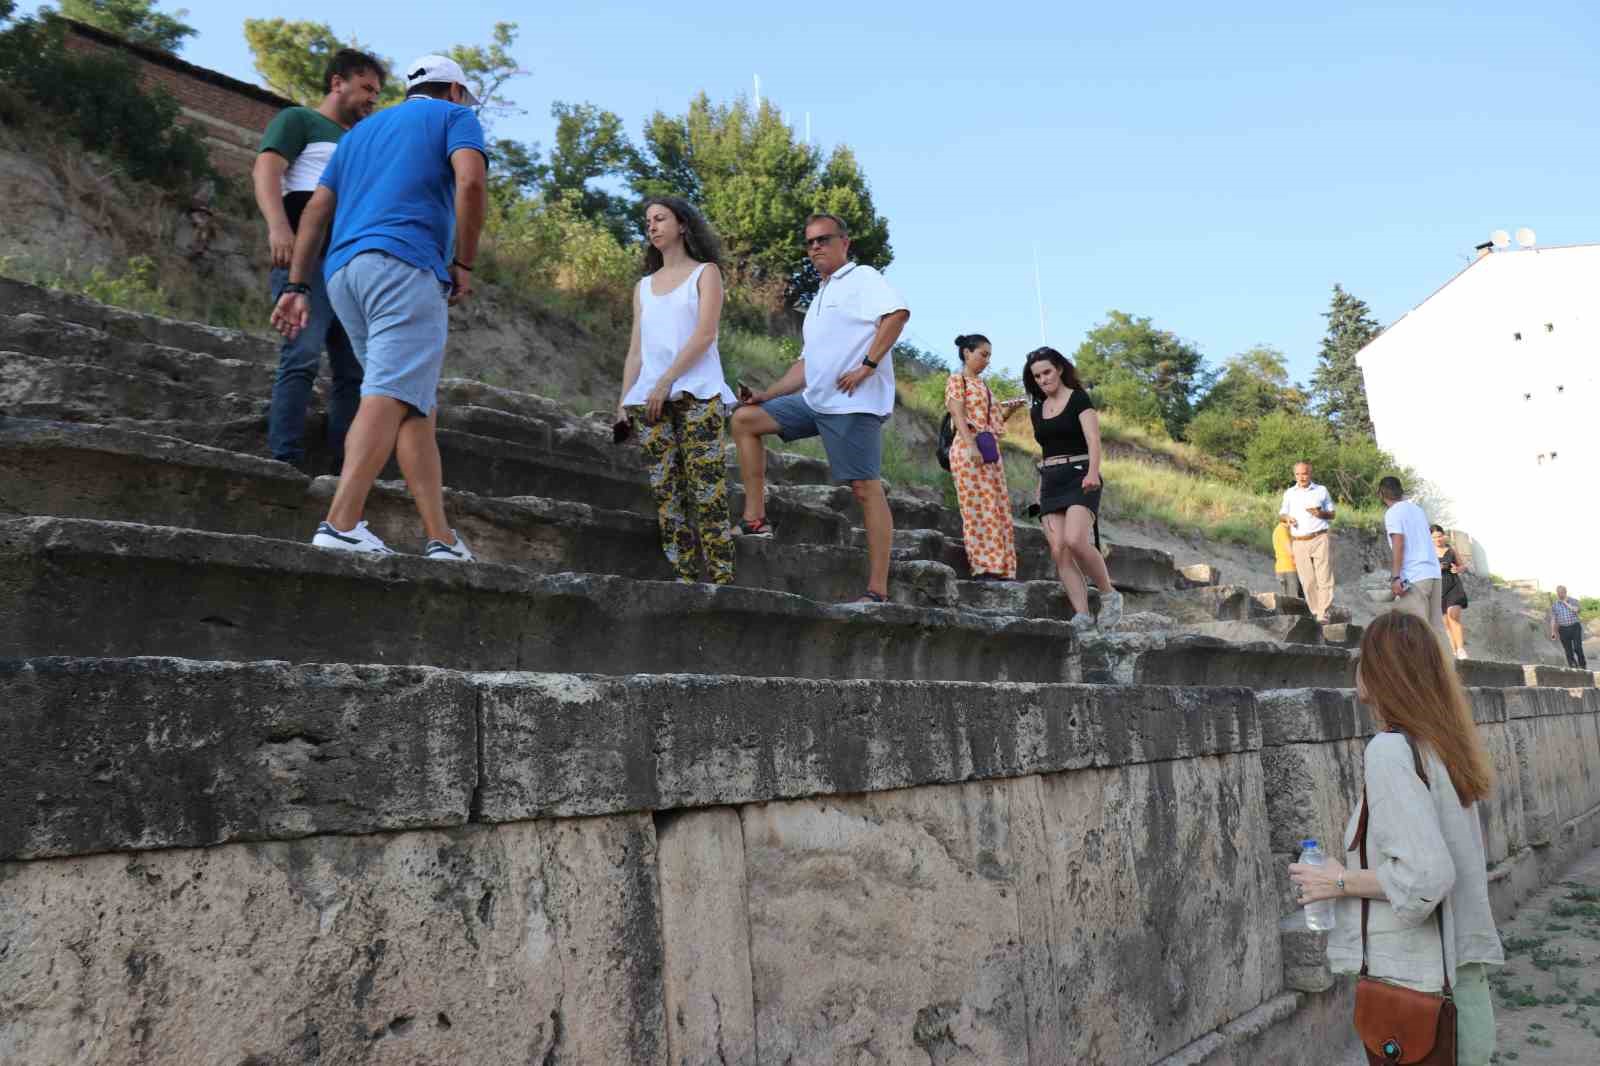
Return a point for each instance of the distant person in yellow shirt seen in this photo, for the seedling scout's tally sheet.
(1283, 564)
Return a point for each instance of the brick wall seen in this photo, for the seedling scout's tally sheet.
(231, 114)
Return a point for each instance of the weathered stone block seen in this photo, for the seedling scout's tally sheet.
(1277, 603)
(1557, 676)
(1310, 791)
(1200, 660)
(73, 586)
(1199, 574)
(113, 754)
(1342, 634)
(1140, 569)
(1301, 715)
(705, 933)
(530, 943)
(570, 745)
(1151, 951)
(884, 928)
(91, 471)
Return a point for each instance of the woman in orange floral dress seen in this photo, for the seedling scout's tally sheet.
(980, 486)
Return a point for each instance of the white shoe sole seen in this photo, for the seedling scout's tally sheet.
(332, 543)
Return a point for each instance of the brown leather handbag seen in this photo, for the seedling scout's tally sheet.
(1401, 1026)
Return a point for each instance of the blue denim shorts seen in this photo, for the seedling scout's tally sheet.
(397, 319)
(854, 442)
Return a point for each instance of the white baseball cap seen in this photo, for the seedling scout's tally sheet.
(431, 68)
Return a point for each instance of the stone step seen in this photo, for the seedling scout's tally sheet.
(73, 391)
(81, 587)
(87, 471)
(18, 299)
(1192, 659)
(98, 472)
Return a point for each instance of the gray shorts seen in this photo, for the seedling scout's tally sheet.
(397, 320)
(854, 442)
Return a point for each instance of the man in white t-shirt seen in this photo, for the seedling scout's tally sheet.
(1414, 564)
(840, 389)
(1307, 509)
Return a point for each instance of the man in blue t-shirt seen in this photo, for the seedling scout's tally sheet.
(402, 188)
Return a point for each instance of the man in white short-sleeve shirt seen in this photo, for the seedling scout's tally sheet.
(1307, 509)
(840, 389)
(1414, 564)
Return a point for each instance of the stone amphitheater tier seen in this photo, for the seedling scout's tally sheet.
(266, 805)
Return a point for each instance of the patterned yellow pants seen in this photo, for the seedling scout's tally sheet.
(690, 479)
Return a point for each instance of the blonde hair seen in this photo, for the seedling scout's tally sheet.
(1415, 689)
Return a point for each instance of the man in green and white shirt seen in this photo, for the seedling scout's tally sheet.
(294, 151)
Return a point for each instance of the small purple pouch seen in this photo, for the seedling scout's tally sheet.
(988, 447)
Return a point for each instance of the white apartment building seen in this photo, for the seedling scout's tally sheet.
(1488, 390)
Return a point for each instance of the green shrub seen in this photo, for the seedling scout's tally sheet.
(98, 99)
(1282, 440)
(540, 246)
(1220, 435)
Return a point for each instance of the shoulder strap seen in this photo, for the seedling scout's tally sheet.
(1366, 904)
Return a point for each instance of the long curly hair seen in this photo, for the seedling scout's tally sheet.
(700, 241)
(1069, 373)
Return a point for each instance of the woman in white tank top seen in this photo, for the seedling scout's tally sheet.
(673, 391)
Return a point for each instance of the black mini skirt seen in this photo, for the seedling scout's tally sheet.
(1061, 487)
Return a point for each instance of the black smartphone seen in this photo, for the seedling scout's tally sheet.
(621, 431)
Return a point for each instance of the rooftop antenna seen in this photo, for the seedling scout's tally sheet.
(1038, 292)
(758, 94)
(1525, 237)
(808, 128)
(1500, 239)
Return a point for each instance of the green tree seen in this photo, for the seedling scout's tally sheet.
(1144, 373)
(133, 20)
(1252, 385)
(1337, 386)
(515, 169)
(488, 68)
(293, 57)
(1282, 440)
(757, 182)
(592, 145)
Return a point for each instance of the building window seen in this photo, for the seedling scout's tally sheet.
(1516, 336)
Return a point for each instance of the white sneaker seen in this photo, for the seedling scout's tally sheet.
(457, 552)
(1082, 621)
(1110, 609)
(360, 539)
(1461, 653)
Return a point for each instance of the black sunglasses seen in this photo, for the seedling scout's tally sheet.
(823, 240)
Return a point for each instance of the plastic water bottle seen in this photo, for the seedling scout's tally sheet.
(1319, 915)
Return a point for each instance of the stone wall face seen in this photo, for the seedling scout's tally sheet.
(691, 870)
(230, 115)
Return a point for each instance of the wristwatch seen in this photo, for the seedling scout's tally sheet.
(869, 362)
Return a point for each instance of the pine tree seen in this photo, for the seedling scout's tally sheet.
(1339, 392)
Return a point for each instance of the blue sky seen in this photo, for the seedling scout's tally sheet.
(1215, 167)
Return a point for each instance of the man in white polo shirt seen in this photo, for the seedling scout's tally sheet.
(841, 389)
(1414, 564)
(1307, 509)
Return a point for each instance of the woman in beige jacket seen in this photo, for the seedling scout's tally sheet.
(1424, 841)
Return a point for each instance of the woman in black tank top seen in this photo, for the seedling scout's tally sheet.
(1068, 431)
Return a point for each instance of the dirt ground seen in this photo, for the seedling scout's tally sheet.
(1547, 996)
